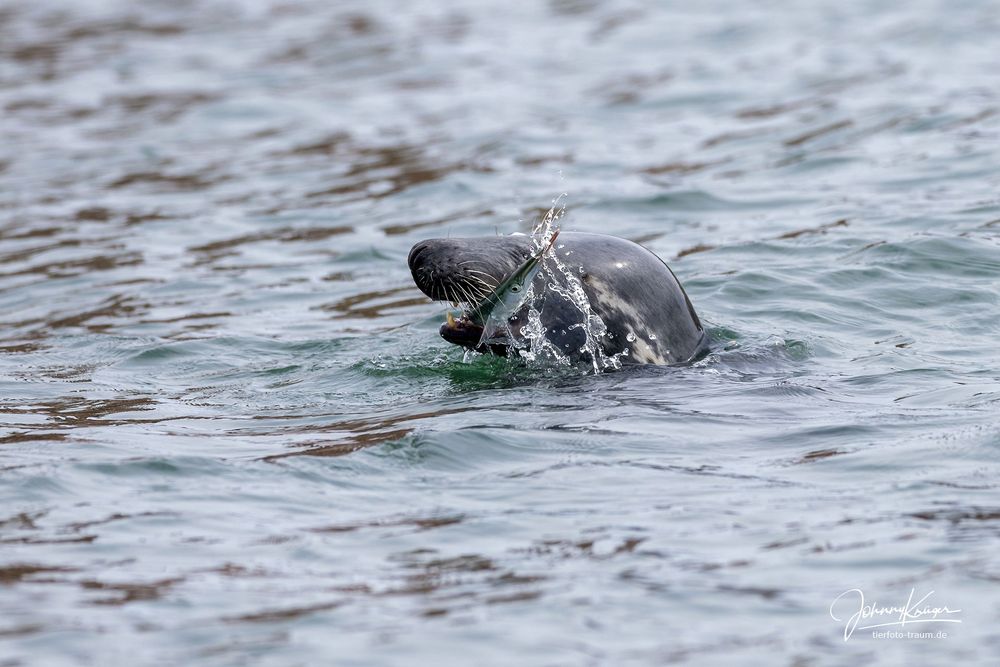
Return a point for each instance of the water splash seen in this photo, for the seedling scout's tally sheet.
(558, 278)
(542, 232)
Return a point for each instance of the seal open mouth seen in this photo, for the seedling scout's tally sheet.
(490, 297)
(461, 331)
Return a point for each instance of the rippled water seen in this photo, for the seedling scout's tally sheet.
(230, 431)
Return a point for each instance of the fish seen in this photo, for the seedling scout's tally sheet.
(492, 313)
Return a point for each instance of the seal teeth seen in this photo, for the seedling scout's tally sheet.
(451, 319)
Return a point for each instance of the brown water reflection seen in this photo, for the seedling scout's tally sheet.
(364, 432)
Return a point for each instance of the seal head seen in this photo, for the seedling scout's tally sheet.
(467, 271)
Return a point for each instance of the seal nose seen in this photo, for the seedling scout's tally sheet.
(415, 252)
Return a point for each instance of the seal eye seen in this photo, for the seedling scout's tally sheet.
(515, 288)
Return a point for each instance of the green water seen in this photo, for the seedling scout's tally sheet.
(230, 433)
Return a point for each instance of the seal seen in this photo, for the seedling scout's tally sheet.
(647, 316)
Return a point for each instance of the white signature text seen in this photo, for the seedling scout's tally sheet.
(877, 616)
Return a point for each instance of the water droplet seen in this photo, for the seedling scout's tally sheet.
(652, 336)
(630, 337)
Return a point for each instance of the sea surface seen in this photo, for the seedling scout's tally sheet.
(231, 435)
